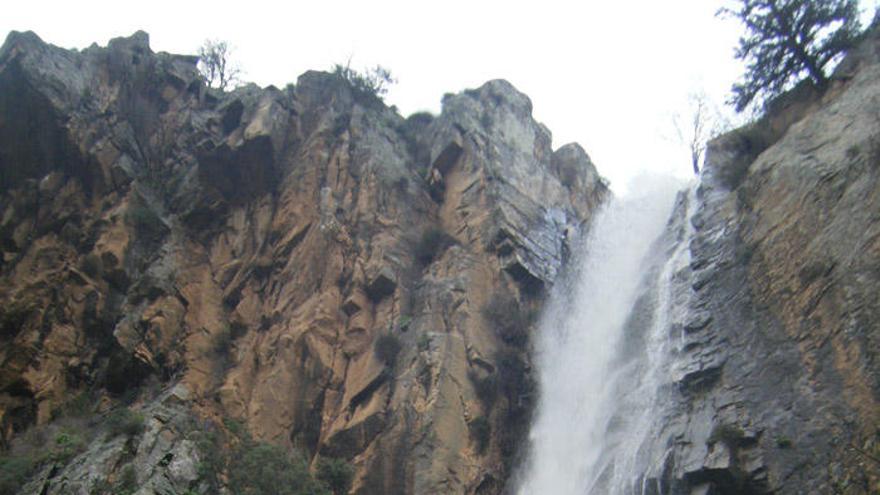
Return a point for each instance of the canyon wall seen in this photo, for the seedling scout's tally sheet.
(302, 262)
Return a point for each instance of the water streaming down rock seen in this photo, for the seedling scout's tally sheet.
(603, 352)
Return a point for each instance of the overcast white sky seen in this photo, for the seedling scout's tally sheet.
(607, 74)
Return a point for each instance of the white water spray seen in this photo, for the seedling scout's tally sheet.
(595, 409)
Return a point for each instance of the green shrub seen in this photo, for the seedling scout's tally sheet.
(14, 472)
(747, 142)
(126, 422)
(367, 87)
(127, 482)
(250, 467)
(403, 322)
(508, 319)
(101, 487)
(222, 341)
(783, 442)
(852, 152)
(730, 435)
(263, 469)
(486, 388)
(91, 265)
(513, 376)
(386, 348)
(237, 428)
(67, 445)
(79, 406)
(212, 457)
(336, 474)
(481, 432)
(433, 242)
(145, 222)
(424, 342)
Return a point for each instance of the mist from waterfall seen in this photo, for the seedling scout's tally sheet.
(603, 344)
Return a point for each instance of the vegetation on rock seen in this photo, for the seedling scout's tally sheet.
(433, 242)
(509, 321)
(387, 347)
(368, 86)
(481, 431)
(336, 474)
(251, 467)
(216, 66)
(789, 39)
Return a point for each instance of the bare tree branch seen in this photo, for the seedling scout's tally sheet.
(215, 65)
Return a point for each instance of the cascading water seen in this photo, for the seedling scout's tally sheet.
(604, 346)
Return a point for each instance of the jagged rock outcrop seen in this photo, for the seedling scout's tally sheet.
(249, 250)
(777, 377)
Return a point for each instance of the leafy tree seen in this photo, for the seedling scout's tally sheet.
(789, 39)
(336, 474)
(215, 64)
(264, 469)
(372, 83)
(387, 347)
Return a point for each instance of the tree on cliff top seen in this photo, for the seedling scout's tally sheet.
(789, 39)
(372, 84)
(215, 64)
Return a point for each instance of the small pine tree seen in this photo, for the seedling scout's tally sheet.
(789, 39)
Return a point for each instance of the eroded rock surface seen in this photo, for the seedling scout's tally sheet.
(777, 385)
(250, 248)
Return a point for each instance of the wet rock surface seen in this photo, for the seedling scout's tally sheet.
(775, 381)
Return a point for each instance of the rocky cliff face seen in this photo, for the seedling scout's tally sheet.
(338, 279)
(777, 377)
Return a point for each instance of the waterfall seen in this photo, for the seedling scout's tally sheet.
(604, 345)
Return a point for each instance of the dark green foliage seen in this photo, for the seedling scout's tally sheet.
(146, 222)
(14, 471)
(35, 449)
(852, 152)
(126, 422)
(222, 341)
(787, 40)
(508, 319)
(513, 376)
(212, 458)
(424, 342)
(368, 87)
(101, 487)
(486, 388)
(67, 445)
(79, 406)
(730, 435)
(91, 265)
(517, 387)
(481, 432)
(420, 119)
(13, 317)
(336, 474)
(433, 242)
(387, 347)
(127, 482)
(237, 428)
(263, 469)
(783, 442)
(251, 467)
(748, 142)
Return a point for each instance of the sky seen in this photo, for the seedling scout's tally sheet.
(609, 75)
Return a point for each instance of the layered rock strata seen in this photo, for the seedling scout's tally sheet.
(249, 255)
